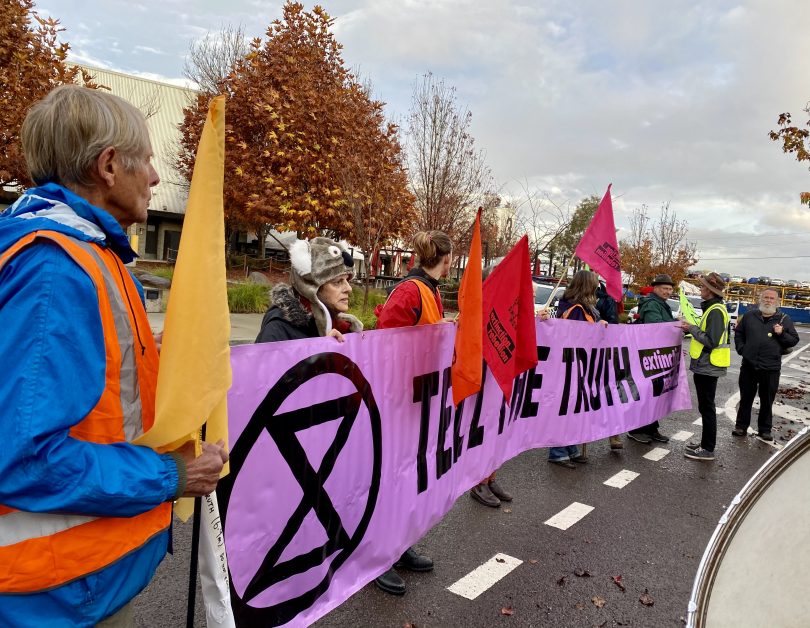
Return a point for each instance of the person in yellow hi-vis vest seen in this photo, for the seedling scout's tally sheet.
(711, 355)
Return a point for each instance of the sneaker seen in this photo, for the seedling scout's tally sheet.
(498, 491)
(766, 436)
(483, 495)
(692, 446)
(656, 435)
(739, 431)
(699, 454)
(564, 463)
(644, 439)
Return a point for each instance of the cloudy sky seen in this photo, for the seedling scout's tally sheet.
(670, 101)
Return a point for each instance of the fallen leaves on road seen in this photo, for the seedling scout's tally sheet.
(508, 611)
(646, 598)
(507, 510)
(500, 560)
(617, 580)
(598, 601)
(791, 392)
(582, 573)
(561, 581)
(579, 606)
(533, 561)
(409, 625)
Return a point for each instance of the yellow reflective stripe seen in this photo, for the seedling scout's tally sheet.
(21, 526)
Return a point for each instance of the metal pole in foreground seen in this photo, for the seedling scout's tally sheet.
(195, 551)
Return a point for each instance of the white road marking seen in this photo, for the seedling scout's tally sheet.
(799, 367)
(569, 516)
(699, 421)
(621, 479)
(484, 576)
(682, 435)
(656, 454)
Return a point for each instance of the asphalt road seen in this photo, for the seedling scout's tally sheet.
(652, 533)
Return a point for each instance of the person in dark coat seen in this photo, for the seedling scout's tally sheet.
(654, 309)
(316, 300)
(761, 337)
(578, 303)
(606, 305)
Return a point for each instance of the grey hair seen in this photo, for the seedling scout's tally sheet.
(64, 133)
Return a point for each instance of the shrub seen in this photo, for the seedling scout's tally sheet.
(245, 298)
(375, 297)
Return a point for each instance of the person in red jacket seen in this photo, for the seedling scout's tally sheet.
(416, 301)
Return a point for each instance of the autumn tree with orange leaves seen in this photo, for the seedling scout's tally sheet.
(32, 63)
(300, 132)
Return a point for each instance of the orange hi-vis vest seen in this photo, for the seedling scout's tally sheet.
(430, 310)
(40, 551)
(588, 316)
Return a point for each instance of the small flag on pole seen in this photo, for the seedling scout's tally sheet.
(599, 249)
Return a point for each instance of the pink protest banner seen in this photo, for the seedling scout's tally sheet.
(343, 455)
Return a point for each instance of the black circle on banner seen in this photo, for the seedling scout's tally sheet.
(282, 429)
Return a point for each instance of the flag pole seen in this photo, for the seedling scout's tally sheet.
(559, 281)
(195, 550)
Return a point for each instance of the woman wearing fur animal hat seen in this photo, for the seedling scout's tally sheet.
(317, 299)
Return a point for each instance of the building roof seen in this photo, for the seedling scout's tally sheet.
(162, 104)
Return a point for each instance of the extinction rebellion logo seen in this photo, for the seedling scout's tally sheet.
(661, 365)
(276, 579)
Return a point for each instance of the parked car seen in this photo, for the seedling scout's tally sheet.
(777, 282)
(805, 284)
(737, 279)
(764, 281)
(541, 293)
(733, 308)
(792, 283)
(753, 280)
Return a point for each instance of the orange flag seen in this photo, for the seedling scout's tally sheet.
(467, 356)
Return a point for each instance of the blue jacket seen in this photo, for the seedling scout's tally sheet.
(52, 349)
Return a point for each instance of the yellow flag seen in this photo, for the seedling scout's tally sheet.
(195, 365)
(687, 311)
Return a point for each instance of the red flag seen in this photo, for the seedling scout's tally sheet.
(466, 370)
(598, 247)
(510, 343)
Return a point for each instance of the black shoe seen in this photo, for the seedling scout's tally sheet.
(644, 439)
(656, 435)
(498, 491)
(483, 495)
(581, 459)
(390, 582)
(739, 431)
(692, 446)
(414, 561)
(766, 436)
(564, 463)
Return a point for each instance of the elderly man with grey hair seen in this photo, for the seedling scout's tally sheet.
(761, 337)
(84, 514)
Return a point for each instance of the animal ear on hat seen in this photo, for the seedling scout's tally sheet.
(301, 257)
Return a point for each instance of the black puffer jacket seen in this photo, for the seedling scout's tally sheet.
(288, 319)
(758, 344)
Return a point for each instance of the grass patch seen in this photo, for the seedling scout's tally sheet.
(247, 298)
(375, 297)
(167, 272)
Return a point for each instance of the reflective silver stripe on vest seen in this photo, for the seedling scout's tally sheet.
(23, 526)
(130, 390)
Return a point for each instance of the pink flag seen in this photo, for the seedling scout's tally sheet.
(598, 247)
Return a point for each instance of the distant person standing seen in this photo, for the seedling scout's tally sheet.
(710, 358)
(761, 337)
(654, 309)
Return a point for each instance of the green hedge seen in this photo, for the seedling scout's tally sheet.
(246, 298)
(375, 298)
